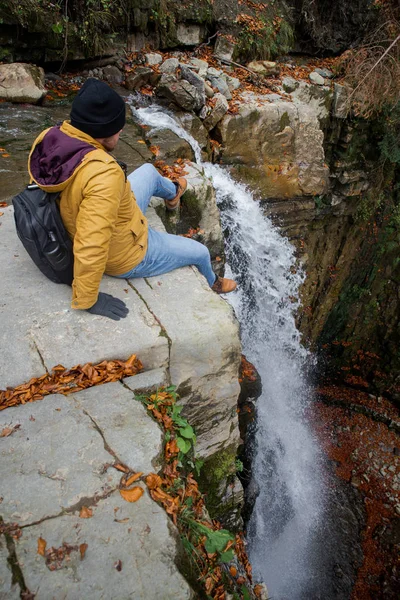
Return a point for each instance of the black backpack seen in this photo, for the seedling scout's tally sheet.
(42, 232)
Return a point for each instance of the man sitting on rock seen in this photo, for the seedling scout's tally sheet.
(103, 211)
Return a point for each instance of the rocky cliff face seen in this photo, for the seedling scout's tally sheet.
(322, 179)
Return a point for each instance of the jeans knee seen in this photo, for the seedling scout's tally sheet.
(148, 170)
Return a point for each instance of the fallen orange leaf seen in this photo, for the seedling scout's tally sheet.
(5, 155)
(132, 495)
(3, 204)
(86, 513)
(153, 481)
(121, 467)
(155, 150)
(82, 550)
(133, 478)
(41, 546)
(6, 431)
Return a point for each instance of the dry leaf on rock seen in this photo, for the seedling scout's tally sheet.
(133, 478)
(118, 565)
(121, 467)
(132, 495)
(86, 513)
(82, 550)
(41, 546)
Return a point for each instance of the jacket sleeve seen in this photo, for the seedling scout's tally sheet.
(95, 224)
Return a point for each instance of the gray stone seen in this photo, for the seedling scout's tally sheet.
(153, 58)
(212, 72)
(149, 380)
(193, 125)
(189, 35)
(112, 74)
(66, 466)
(217, 113)
(224, 48)
(20, 82)
(221, 85)
(318, 98)
(289, 84)
(201, 66)
(196, 81)
(131, 553)
(208, 90)
(341, 102)
(324, 73)
(181, 92)
(141, 76)
(232, 82)
(119, 417)
(316, 78)
(169, 66)
(205, 111)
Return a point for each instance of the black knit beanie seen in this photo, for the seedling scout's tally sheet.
(98, 110)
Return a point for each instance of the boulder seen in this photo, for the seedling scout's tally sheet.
(208, 90)
(112, 74)
(169, 66)
(224, 48)
(140, 77)
(316, 78)
(20, 82)
(277, 148)
(182, 93)
(189, 35)
(219, 110)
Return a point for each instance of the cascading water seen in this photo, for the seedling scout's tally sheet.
(286, 466)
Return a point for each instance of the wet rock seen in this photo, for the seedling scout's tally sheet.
(316, 78)
(189, 35)
(217, 113)
(182, 93)
(113, 75)
(169, 66)
(20, 83)
(224, 48)
(140, 77)
(153, 58)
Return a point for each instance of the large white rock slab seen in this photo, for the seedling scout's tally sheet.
(39, 328)
(131, 553)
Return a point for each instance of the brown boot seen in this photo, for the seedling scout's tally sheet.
(223, 286)
(173, 204)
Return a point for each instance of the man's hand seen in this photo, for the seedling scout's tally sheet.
(110, 307)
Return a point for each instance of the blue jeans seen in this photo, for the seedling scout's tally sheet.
(165, 252)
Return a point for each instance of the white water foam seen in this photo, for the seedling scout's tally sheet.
(286, 468)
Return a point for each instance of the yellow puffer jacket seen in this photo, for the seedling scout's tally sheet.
(98, 208)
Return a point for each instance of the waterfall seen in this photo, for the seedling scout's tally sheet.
(286, 468)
